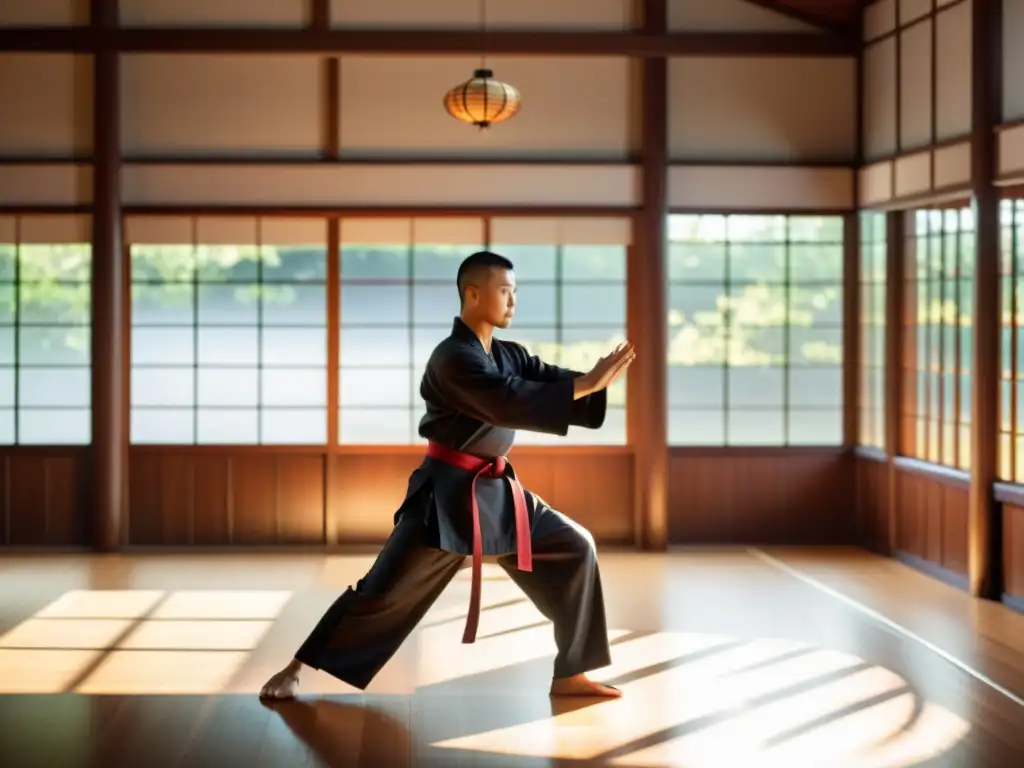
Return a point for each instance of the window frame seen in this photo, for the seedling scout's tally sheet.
(17, 284)
(259, 281)
(789, 283)
(922, 421)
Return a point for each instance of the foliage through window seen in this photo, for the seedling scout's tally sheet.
(1011, 411)
(399, 299)
(229, 332)
(45, 318)
(755, 338)
(937, 336)
(873, 250)
(571, 312)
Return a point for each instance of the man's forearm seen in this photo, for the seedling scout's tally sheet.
(582, 386)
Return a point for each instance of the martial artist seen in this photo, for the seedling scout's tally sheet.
(465, 499)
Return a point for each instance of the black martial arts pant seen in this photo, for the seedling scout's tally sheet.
(364, 627)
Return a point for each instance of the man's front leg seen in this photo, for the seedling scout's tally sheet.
(565, 586)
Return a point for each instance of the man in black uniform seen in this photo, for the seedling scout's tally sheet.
(464, 499)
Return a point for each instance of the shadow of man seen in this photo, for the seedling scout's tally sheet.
(346, 734)
(358, 734)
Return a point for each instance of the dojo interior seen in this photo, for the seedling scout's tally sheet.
(229, 231)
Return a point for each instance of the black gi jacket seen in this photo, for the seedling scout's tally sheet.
(475, 404)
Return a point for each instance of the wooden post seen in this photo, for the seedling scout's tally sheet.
(851, 329)
(109, 299)
(895, 269)
(986, 70)
(648, 299)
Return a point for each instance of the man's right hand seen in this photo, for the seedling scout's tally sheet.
(606, 371)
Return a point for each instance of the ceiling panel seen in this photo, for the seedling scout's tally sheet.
(829, 13)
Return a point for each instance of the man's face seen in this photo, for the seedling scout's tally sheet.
(495, 300)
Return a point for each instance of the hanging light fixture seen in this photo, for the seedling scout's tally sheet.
(482, 101)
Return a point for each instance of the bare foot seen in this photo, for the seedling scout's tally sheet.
(282, 685)
(581, 685)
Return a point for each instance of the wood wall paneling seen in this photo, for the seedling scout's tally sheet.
(871, 482)
(803, 496)
(1013, 554)
(932, 519)
(225, 497)
(218, 498)
(44, 494)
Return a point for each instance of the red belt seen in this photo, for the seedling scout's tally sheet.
(496, 467)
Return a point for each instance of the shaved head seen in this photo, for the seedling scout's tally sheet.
(475, 270)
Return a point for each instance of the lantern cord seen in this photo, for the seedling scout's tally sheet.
(483, 28)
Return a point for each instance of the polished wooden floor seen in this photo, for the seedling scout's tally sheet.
(726, 658)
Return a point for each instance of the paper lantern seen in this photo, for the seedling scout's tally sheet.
(482, 100)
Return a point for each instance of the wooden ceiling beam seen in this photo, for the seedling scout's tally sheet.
(430, 42)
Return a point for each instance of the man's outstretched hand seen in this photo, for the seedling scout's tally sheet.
(606, 371)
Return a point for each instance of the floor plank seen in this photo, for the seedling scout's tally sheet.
(787, 658)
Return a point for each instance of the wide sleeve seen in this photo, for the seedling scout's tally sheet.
(470, 384)
(588, 412)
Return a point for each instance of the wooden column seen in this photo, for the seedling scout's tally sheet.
(321, 20)
(986, 70)
(895, 265)
(851, 328)
(320, 14)
(852, 331)
(109, 300)
(648, 297)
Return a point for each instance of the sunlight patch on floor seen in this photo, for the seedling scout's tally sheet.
(191, 641)
(770, 701)
(101, 604)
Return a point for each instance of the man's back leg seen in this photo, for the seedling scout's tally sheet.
(364, 627)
